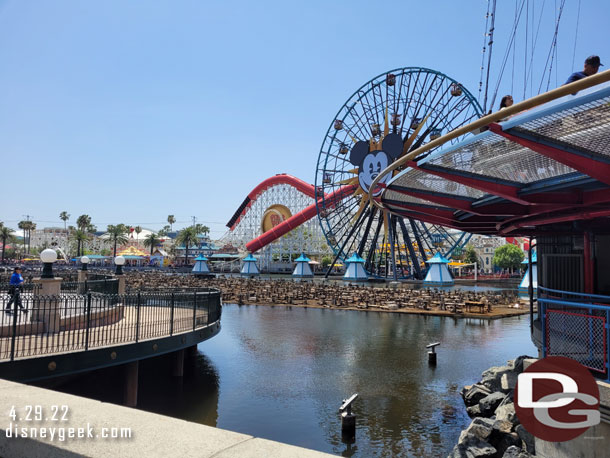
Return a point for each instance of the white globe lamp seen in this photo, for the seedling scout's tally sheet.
(119, 262)
(48, 257)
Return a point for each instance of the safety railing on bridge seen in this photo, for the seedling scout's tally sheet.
(7, 287)
(575, 325)
(106, 286)
(40, 325)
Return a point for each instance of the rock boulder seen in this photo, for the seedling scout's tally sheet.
(472, 447)
(475, 394)
(489, 403)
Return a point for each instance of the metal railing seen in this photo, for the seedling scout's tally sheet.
(575, 325)
(26, 286)
(106, 286)
(76, 322)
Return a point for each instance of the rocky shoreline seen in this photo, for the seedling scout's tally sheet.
(495, 431)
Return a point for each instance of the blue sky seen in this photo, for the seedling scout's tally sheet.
(132, 110)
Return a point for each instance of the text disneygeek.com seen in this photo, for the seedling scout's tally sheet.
(61, 433)
(26, 423)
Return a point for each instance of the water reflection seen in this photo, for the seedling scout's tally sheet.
(285, 372)
(281, 373)
(193, 398)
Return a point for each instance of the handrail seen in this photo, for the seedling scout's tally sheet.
(573, 304)
(554, 94)
(81, 322)
(542, 288)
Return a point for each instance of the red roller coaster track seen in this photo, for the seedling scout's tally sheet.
(298, 219)
(281, 178)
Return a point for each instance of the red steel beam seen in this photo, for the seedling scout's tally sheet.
(491, 187)
(595, 169)
(463, 226)
(445, 200)
(550, 219)
(542, 202)
(446, 214)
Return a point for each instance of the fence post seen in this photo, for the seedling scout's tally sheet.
(14, 336)
(171, 317)
(207, 303)
(88, 321)
(607, 346)
(138, 318)
(542, 313)
(194, 308)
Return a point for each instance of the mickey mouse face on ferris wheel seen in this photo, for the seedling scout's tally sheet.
(371, 163)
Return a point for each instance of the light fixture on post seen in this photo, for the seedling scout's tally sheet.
(119, 262)
(48, 257)
(84, 260)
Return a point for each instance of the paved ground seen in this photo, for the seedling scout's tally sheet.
(152, 435)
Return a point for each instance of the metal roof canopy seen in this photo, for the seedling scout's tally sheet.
(549, 164)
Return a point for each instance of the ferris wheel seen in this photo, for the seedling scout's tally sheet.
(389, 116)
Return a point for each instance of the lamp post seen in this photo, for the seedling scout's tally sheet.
(84, 260)
(48, 287)
(119, 262)
(48, 257)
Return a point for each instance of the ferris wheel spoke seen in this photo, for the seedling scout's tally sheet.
(428, 237)
(358, 124)
(344, 213)
(391, 240)
(414, 261)
(366, 108)
(365, 235)
(343, 246)
(380, 104)
(465, 120)
(421, 95)
(394, 221)
(373, 244)
(416, 235)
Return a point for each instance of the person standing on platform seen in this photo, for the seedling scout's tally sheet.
(506, 101)
(15, 290)
(592, 64)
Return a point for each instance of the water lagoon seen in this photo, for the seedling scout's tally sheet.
(281, 373)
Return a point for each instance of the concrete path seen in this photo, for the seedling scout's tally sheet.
(152, 435)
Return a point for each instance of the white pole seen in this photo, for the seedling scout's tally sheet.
(475, 272)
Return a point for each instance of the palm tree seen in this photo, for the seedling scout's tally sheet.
(27, 226)
(117, 235)
(64, 216)
(31, 227)
(22, 225)
(201, 229)
(81, 237)
(152, 240)
(171, 220)
(83, 222)
(6, 234)
(187, 237)
(137, 230)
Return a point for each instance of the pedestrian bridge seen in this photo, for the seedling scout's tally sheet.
(74, 332)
